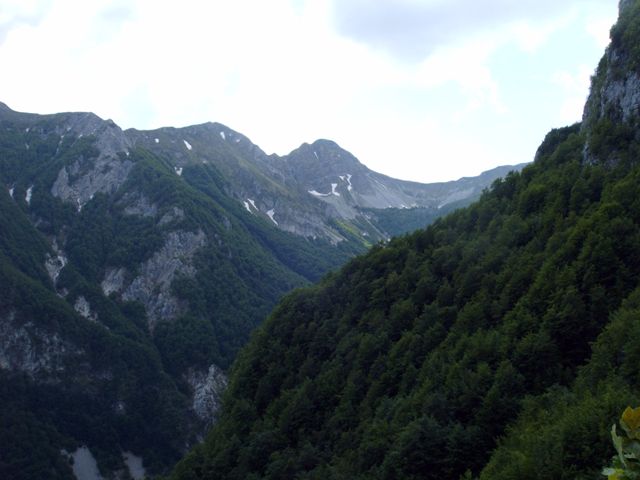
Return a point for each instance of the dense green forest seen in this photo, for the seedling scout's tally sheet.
(499, 343)
(414, 359)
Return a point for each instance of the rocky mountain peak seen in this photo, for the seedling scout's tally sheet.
(322, 162)
(79, 181)
(326, 151)
(9, 115)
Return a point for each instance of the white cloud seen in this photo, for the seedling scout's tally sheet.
(14, 13)
(575, 86)
(412, 29)
(280, 73)
(598, 28)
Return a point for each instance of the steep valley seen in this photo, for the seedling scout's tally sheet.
(135, 264)
(501, 342)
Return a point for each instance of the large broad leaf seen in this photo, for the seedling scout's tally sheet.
(631, 422)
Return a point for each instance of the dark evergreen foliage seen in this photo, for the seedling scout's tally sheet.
(454, 349)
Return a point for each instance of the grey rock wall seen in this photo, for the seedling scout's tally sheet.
(152, 287)
(207, 387)
(28, 349)
(79, 182)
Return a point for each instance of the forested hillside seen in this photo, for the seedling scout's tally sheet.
(501, 342)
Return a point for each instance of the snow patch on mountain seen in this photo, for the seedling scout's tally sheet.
(84, 464)
(271, 213)
(318, 194)
(134, 465)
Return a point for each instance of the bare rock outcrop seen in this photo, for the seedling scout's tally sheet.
(152, 287)
(113, 281)
(614, 99)
(31, 350)
(80, 181)
(138, 204)
(208, 387)
(83, 307)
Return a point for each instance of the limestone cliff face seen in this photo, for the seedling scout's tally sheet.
(207, 386)
(104, 173)
(613, 106)
(30, 349)
(152, 285)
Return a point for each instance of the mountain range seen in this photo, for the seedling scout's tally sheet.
(135, 264)
(502, 342)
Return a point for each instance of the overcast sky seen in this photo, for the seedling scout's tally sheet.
(423, 90)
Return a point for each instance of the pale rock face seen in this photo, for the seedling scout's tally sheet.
(208, 387)
(134, 465)
(105, 176)
(138, 204)
(54, 265)
(28, 349)
(152, 287)
(174, 215)
(84, 309)
(85, 466)
(113, 281)
(80, 181)
(615, 92)
(621, 95)
(625, 94)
